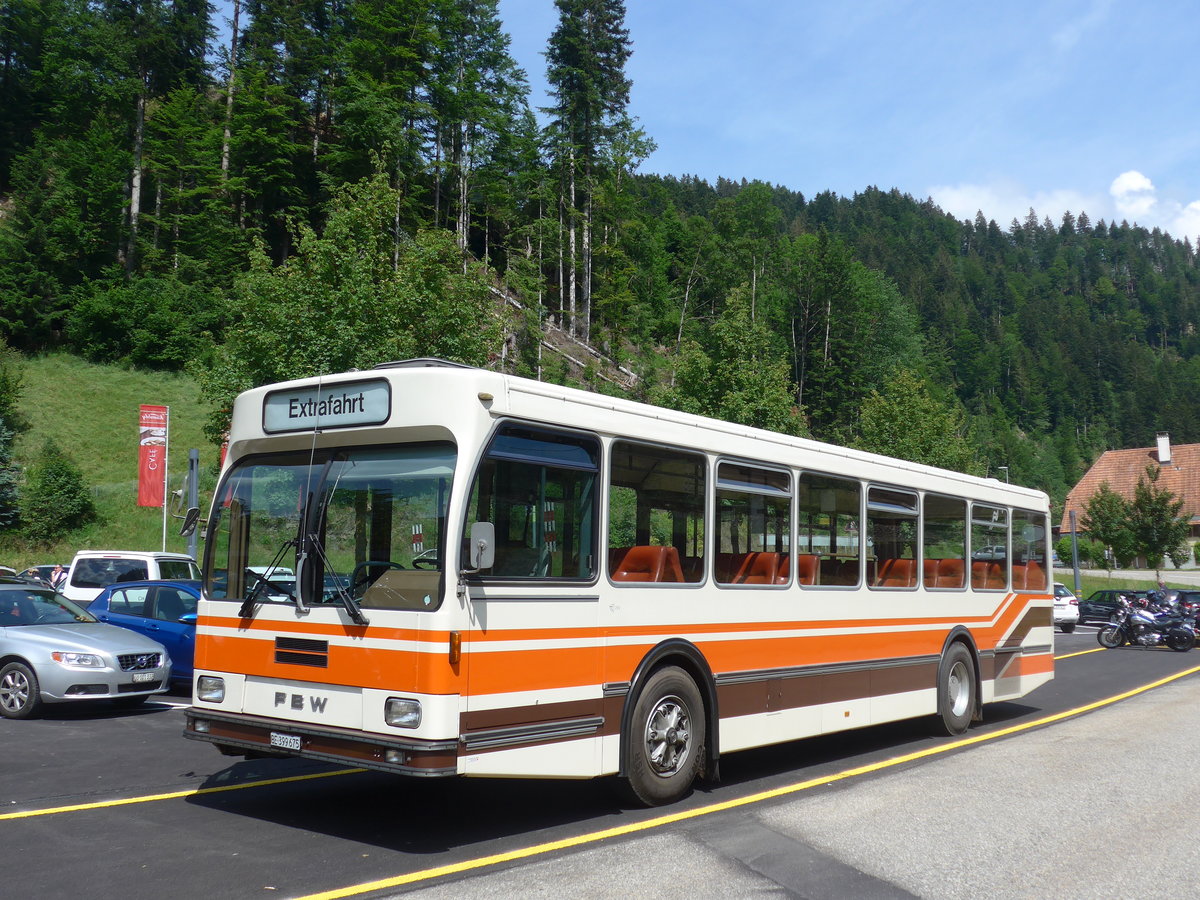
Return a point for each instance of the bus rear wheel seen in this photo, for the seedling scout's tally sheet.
(956, 689)
(666, 743)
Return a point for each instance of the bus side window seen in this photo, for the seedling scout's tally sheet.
(828, 530)
(538, 488)
(944, 541)
(656, 500)
(1029, 551)
(753, 525)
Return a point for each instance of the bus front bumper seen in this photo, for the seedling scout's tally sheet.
(238, 734)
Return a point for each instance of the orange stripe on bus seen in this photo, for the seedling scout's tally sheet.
(1005, 614)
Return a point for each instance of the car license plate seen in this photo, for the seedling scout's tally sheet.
(285, 741)
(139, 677)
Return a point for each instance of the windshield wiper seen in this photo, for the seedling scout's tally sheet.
(347, 601)
(247, 610)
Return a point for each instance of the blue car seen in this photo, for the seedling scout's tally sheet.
(162, 610)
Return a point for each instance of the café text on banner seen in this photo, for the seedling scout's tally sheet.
(152, 454)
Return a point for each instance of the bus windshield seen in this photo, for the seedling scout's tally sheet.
(369, 522)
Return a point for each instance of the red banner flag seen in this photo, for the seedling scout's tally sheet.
(152, 454)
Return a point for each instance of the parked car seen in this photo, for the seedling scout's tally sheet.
(94, 570)
(43, 572)
(164, 611)
(1066, 608)
(993, 552)
(1100, 605)
(54, 651)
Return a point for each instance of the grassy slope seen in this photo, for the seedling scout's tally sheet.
(92, 412)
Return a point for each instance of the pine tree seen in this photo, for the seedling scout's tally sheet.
(586, 55)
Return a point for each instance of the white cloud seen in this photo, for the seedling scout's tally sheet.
(1004, 201)
(1134, 195)
(1131, 197)
(1187, 223)
(1136, 200)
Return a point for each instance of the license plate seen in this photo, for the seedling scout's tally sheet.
(139, 677)
(285, 741)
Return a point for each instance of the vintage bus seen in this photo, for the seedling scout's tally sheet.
(432, 569)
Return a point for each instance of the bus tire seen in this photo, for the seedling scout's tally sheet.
(956, 689)
(666, 740)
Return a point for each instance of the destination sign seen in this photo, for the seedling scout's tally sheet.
(342, 405)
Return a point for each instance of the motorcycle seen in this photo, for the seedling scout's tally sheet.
(1148, 627)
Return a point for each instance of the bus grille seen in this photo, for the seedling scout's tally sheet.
(302, 652)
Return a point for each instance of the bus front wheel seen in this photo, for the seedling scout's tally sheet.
(956, 689)
(666, 743)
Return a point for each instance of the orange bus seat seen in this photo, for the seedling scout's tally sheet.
(896, 572)
(929, 568)
(1035, 576)
(640, 563)
(758, 568)
(988, 575)
(950, 574)
(646, 562)
(807, 566)
(671, 570)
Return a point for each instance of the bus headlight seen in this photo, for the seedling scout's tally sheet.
(210, 689)
(401, 712)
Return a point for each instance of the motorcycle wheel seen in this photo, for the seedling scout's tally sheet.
(1181, 640)
(1110, 636)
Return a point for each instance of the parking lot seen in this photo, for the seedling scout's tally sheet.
(119, 803)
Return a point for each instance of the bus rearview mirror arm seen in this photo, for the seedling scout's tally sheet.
(481, 553)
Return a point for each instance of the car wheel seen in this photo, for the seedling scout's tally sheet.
(1068, 628)
(20, 696)
(666, 741)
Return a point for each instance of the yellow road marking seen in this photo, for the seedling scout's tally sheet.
(174, 795)
(1080, 653)
(597, 836)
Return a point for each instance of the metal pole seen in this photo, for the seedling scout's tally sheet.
(1075, 552)
(193, 495)
(166, 477)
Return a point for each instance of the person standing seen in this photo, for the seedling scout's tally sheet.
(58, 577)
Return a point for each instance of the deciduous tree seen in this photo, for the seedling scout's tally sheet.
(1155, 522)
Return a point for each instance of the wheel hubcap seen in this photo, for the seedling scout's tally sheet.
(14, 691)
(668, 736)
(958, 689)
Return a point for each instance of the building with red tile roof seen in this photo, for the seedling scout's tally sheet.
(1180, 474)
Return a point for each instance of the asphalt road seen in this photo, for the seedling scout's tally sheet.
(116, 804)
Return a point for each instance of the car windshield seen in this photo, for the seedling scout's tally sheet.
(98, 572)
(35, 607)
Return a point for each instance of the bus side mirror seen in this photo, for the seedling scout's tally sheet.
(482, 550)
(189, 521)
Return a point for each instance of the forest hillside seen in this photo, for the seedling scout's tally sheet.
(337, 184)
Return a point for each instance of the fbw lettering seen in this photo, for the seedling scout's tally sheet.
(296, 701)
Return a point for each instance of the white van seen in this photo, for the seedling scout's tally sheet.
(94, 570)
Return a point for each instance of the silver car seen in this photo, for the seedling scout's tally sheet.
(53, 651)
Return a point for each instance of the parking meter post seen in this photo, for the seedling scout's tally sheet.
(193, 496)
(1075, 553)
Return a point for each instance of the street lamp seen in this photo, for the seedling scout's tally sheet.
(1004, 469)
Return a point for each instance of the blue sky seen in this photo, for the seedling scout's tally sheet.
(1060, 105)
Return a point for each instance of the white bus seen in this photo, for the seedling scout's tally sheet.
(495, 576)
